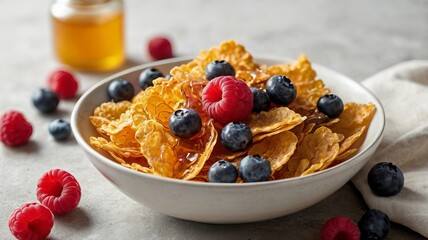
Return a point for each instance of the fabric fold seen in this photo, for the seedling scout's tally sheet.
(403, 91)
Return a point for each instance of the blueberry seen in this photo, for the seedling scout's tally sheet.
(169, 76)
(331, 105)
(385, 179)
(261, 101)
(219, 68)
(254, 168)
(185, 122)
(147, 76)
(236, 136)
(280, 90)
(120, 90)
(222, 171)
(45, 100)
(374, 224)
(59, 129)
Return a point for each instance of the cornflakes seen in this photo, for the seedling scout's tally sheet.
(277, 149)
(297, 139)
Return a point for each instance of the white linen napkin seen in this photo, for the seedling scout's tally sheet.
(403, 91)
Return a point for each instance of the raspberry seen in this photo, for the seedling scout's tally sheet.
(31, 221)
(63, 83)
(159, 48)
(14, 128)
(340, 228)
(59, 191)
(227, 99)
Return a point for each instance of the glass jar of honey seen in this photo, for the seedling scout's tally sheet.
(89, 34)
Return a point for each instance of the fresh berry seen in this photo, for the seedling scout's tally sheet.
(227, 99)
(236, 136)
(168, 76)
(45, 100)
(59, 191)
(120, 90)
(340, 228)
(261, 101)
(185, 122)
(254, 168)
(280, 90)
(31, 221)
(222, 171)
(14, 128)
(385, 179)
(219, 68)
(374, 224)
(59, 129)
(159, 48)
(331, 105)
(63, 83)
(147, 76)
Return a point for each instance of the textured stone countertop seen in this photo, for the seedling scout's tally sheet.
(357, 38)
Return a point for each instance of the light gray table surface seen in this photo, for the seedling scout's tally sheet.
(357, 38)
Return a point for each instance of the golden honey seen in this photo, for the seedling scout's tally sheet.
(91, 36)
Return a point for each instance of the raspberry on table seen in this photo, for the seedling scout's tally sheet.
(59, 191)
(227, 99)
(31, 221)
(159, 47)
(340, 227)
(63, 83)
(14, 128)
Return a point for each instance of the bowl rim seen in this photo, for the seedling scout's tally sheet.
(111, 163)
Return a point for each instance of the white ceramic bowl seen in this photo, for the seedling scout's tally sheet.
(226, 203)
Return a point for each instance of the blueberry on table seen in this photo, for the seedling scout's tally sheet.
(222, 171)
(185, 122)
(45, 100)
(59, 129)
(374, 224)
(236, 136)
(147, 76)
(120, 90)
(385, 179)
(281, 90)
(219, 68)
(331, 105)
(254, 168)
(261, 101)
